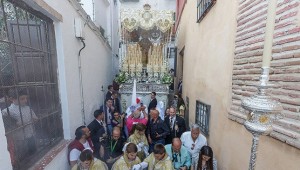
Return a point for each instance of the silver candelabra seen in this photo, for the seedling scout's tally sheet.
(263, 110)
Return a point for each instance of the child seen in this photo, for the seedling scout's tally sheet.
(87, 161)
(139, 138)
(129, 159)
(158, 160)
(24, 116)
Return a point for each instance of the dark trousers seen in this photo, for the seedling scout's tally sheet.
(31, 145)
(154, 142)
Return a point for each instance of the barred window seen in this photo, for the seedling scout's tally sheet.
(203, 6)
(202, 116)
(28, 83)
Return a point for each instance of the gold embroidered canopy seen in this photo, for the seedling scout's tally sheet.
(145, 38)
(147, 19)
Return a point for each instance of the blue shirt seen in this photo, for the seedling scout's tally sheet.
(180, 159)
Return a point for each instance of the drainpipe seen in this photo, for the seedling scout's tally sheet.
(80, 80)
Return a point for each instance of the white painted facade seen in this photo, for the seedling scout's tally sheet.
(96, 66)
(105, 14)
(98, 59)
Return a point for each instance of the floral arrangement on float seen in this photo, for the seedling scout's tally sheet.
(167, 79)
(121, 78)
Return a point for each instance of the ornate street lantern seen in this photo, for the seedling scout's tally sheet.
(263, 110)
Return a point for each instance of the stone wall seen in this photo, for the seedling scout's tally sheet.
(285, 64)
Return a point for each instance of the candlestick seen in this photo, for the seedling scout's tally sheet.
(262, 107)
(267, 53)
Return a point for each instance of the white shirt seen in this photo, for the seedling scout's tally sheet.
(108, 116)
(27, 116)
(75, 153)
(102, 124)
(172, 120)
(128, 111)
(188, 142)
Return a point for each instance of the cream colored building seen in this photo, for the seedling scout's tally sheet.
(206, 51)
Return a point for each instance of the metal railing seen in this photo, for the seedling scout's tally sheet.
(202, 116)
(29, 98)
(203, 6)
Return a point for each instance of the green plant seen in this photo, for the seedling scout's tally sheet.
(121, 78)
(167, 79)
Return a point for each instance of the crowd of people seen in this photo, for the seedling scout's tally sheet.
(140, 138)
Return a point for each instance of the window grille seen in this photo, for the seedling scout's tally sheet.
(203, 6)
(202, 116)
(29, 98)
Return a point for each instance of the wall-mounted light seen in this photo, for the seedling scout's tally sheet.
(78, 27)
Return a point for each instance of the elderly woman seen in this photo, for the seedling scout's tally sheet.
(129, 159)
(88, 162)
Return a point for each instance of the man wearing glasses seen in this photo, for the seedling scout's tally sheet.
(193, 141)
(179, 155)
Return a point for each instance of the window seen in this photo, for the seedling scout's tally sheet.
(202, 116)
(203, 6)
(29, 98)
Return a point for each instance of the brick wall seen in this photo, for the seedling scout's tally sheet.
(285, 64)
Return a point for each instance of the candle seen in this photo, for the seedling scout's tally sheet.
(169, 43)
(267, 53)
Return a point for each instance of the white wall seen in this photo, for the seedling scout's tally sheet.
(96, 72)
(96, 68)
(102, 15)
(59, 162)
(115, 36)
(109, 21)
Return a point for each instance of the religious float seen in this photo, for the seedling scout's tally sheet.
(144, 45)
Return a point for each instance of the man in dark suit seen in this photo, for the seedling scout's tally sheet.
(109, 92)
(98, 131)
(108, 110)
(176, 125)
(156, 131)
(116, 102)
(153, 102)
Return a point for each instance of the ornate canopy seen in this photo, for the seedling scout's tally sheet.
(145, 38)
(147, 19)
